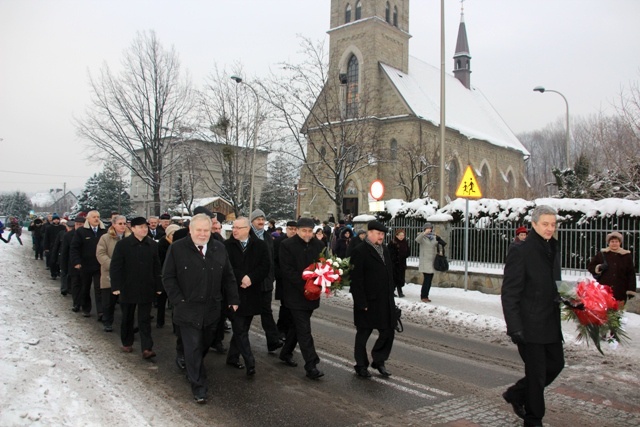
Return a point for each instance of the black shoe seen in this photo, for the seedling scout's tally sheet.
(99, 317)
(54, 277)
(518, 408)
(363, 372)
(63, 293)
(314, 373)
(75, 309)
(400, 295)
(200, 399)
(108, 328)
(237, 365)
(380, 367)
(289, 361)
(251, 371)
(219, 348)
(181, 363)
(275, 347)
(86, 314)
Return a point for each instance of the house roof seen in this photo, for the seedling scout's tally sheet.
(467, 110)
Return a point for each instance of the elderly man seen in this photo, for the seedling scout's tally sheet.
(372, 288)
(136, 279)
(165, 221)
(532, 314)
(258, 220)
(83, 257)
(249, 258)
(284, 315)
(155, 231)
(67, 268)
(296, 253)
(196, 273)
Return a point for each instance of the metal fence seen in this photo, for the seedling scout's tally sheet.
(489, 239)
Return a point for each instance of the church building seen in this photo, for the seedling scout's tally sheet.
(378, 117)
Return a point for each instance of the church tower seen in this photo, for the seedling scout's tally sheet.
(462, 57)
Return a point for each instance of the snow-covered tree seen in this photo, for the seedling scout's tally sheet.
(17, 204)
(105, 192)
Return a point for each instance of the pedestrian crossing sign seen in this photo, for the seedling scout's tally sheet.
(469, 187)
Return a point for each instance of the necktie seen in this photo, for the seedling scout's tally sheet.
(200, 248)
(95, 231)
(153, 232)
(244, 246)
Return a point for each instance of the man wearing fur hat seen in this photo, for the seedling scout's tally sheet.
(258, 220)
(136, 278)
(613, 266)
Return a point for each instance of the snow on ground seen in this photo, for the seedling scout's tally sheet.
(52, 373)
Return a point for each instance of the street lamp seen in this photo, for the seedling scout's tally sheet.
(239, 80)
(568, 132)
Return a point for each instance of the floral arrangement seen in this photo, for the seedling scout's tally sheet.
(327, 273)
(594, 309)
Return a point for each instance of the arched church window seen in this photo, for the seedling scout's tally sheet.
(351, 189)
(395, 16)
(387, 13)
(347, 14)
(352, 87)
(358, 10)
(457, 64)
(484, 180)
(393, 149)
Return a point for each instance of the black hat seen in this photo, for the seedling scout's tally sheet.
(165, 216)
(70, 223)
(203, 210)
(139, 220)
(292, 224)
(306, 223)
(80, 219)
(376, 225)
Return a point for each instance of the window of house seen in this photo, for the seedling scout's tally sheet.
(347, 14)
(358, 10)
(395, 16)
(393, 149)
(352, 87)
(387, 13)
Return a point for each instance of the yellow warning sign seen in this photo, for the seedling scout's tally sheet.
(469, 187)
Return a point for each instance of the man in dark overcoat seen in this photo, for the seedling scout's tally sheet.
(249, 257)
(50, 234)
(284, 315)
(532, 314)
(83, 258)
(296, 254)
(372, 288)
(56, 257)
(66, 266)
(195, 275)
(136, 279)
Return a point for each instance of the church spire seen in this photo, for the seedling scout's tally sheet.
(462, 57)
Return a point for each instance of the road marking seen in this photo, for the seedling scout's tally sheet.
(391, 381)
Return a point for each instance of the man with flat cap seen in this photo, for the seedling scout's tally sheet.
(372, 288)
(296, 254)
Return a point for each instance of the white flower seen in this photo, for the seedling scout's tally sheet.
(336, 264)
(340, 272)
(338, 259)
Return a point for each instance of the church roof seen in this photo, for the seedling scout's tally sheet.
(467, 110)
(462, 44)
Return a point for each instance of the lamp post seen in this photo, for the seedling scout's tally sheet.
(239, 80)
(568, 132)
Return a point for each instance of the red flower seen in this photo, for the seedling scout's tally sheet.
(597, 299)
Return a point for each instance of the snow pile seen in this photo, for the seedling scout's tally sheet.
(426, 209)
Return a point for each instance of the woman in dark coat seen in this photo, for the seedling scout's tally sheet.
(343, 242)
(319, 233)
(37, 237)
(399, 251)
(614, 267)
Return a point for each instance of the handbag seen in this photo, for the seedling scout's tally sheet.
(603, 267)
(399, 326)
(440, 262)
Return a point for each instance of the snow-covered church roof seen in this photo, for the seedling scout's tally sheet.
(467, 110)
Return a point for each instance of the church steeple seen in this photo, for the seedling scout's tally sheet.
(462, 57)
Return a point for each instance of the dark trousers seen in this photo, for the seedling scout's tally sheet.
(240, 344)
(144, 324)
(65, 287)
(109, 301)
(284, 320)
(196, 342)
(86, 279)
(268, 323)
(542, 364)
(38, 247)
(54, 269)
(161, 299)
(380, 351)
(75, 286)
(300, 332)
(426, 285)
(398, 277)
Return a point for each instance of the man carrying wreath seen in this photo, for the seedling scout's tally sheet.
(372, 288)
(296, 254)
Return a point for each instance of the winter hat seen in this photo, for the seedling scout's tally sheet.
(376, 225)
(428, 225)
(203, 210)
(55, 216)
(172, 229)
(70, 223)
(256, 214)
(292, 223)
(304, 223)
(165, 216)
(615, 235)
(522, 229)
(400, 230)
(139, 220)
(80, 219)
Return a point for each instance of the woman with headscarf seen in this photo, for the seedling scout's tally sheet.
(428, 242)
(613, 266)
(399, 251)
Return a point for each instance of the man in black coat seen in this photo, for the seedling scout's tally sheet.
(284, 315)
(50, 234)
(296, 254)
(66, 266)
(372, 288)
(136, 279)
(196, 273)
(249, 258)
(56, 257)
(532, 314)
(83, 258)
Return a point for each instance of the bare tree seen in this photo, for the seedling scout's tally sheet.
(415, 173)
(331, 142)
(134, 112)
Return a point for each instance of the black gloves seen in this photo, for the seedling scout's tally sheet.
(517, 337)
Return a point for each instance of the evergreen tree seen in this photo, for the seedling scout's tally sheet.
(278, 198)
(16, 204)
(106, 192)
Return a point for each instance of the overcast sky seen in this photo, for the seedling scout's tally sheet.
(586, 49)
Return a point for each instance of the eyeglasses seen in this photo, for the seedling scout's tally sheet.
(239, 228)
